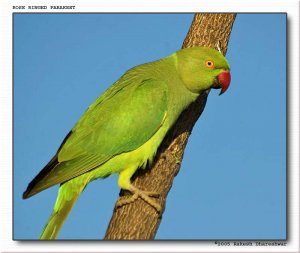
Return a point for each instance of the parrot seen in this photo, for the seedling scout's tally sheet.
(122, 129)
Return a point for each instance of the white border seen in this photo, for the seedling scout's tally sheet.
(289, 6)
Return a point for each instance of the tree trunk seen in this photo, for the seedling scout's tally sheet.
(139, 220)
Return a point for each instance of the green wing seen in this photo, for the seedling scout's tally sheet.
(121, 120)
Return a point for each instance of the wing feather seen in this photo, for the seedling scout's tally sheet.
(120, 122)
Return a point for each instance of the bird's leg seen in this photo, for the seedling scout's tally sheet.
(125, 184)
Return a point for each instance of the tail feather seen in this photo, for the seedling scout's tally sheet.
(67, 196)
(56, 221)
(52, 228)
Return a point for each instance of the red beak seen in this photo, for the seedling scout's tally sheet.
(224, 81)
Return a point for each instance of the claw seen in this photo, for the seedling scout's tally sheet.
(145, 195)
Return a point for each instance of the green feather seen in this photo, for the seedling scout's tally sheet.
(122, 130)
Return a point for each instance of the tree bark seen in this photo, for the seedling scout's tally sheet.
(138, 220)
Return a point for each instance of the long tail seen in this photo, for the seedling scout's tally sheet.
(67, 195)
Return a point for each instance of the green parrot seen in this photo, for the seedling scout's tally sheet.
(122, 130)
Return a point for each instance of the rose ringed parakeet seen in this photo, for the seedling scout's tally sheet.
(122, 130)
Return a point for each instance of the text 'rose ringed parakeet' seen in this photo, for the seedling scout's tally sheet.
(122, 130)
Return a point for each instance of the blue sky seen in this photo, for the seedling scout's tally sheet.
(232, 183)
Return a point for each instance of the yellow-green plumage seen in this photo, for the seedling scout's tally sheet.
(121, 131)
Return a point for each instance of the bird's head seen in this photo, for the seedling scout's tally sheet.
(203, 68)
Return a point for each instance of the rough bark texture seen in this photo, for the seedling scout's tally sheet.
(138, 220)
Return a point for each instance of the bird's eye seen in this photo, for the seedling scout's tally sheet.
(209, 64)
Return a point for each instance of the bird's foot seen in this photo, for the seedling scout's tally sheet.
(177, 159)
(145, 195)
